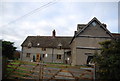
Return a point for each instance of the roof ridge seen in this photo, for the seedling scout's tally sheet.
(50, 36)
(94, 19)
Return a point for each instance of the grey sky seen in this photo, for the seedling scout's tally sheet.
(61, 16)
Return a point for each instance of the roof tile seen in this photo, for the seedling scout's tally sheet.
(47, 41)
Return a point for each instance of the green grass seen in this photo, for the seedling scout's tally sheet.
(28, 63)
(59, 64)
(21, 71)
(52, 65)
(15, 63)
(11, 69)
(22, 62)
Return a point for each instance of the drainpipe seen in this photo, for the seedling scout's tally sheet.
(64, 57)
(21, 54)
(52, 54)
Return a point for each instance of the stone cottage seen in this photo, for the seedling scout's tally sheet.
(76, 50)
(46, 48)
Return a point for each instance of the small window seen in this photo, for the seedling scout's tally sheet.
(43, 49)
(94, 24)
(89, 54)
(60, 46)
(89, 59)
(28, 55)
(29, 44)
(58, 56)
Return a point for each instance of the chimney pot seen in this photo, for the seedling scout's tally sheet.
(54, 33)
(75, 32)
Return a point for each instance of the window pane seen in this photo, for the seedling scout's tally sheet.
(94, 24)
(89, 59)
(58, 56)
(28, 55)
(43, 49)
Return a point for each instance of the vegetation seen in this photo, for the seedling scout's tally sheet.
(108, 62)
(8, 49)
(14, 67)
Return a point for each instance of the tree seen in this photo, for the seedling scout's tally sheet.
(108, 61)
(16, 55)
(8, 49)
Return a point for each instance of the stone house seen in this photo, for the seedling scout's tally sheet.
(76, 50)
(46, 48)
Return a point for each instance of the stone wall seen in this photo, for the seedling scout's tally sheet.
(51, 54)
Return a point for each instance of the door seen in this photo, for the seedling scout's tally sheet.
(89, 59)
(38, 57)
(33, 58)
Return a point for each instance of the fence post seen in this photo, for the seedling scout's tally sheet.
(94, 74)
(40, 70)
(4, 67)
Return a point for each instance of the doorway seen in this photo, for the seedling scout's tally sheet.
(89, 59)
(38, 57)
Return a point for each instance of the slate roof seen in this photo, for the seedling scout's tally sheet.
(80, 26)
(84, 26)
(116, 35)
(48, 41)
(94, 19)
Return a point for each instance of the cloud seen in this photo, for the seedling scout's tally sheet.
(62, 16)
(61, 0)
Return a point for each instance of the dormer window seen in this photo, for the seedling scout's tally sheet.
(94, 24)
(43, 49)
(29, 44)
(60, 46)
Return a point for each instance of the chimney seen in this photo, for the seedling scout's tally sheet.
(75, 32)
(53, 33)
(104, 25)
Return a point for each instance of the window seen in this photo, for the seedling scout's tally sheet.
(43, 49)
(28, 55)
(89, 54)
(45, 55)
(89, 59)
(29, 44)
(58, 56)
(60, 46)
(94, 24)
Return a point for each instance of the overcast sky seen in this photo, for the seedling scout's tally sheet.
(21, 19)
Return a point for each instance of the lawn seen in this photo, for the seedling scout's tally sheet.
(15, 69)
(24, 70)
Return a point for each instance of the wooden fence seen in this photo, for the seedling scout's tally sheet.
(30, 70)
(22, 70)
(51, 71)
